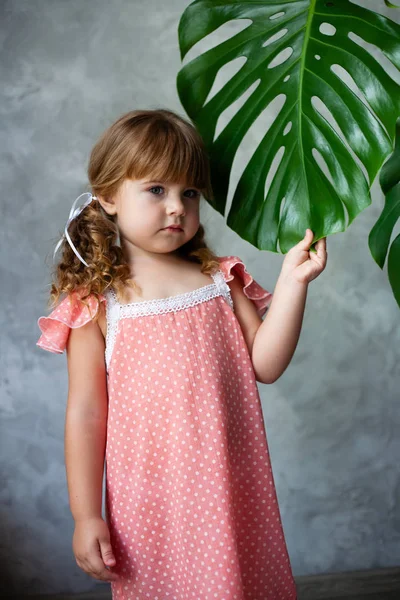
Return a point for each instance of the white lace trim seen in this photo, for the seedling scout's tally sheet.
(116, 311)
(112, 316)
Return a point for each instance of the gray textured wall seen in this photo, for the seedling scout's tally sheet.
(69, 68)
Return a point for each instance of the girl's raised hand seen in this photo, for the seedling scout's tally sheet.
(303, 265)
(92, 548)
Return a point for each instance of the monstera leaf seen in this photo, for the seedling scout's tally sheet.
(379, 238)
(340, 109)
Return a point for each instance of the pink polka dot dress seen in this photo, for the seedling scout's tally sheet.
(190, 496)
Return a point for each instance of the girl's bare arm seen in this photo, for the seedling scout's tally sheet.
(85, 443)
(86, 420)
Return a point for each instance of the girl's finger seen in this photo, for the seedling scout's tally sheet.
(322, 246)
(104, 575)
(95, 568)
(107, 553)
(307, 240)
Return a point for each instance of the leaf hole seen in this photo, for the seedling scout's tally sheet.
(327, 29)
(250, 142)
(286, 78)
(317, 56)
(287, 128)
(277, 15)
(378, 55)
(321, 162)
(223, 33)
(348, 80)
(273, 169)
(275, 37)
(225, 74)
(281, 57)
(326, 114)
(227, 115)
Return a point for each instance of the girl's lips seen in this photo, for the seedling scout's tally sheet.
(173, 229)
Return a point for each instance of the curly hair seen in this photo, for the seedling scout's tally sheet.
(156, 143)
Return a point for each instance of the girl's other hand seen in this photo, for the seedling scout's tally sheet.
(92, 548)
(302, 264)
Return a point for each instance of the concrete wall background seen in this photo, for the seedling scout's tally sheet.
(69, 68)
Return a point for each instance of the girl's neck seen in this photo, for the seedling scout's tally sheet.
(143, 261)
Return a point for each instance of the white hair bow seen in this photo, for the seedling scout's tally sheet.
(74, 212)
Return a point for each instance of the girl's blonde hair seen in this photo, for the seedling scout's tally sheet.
(156, 143)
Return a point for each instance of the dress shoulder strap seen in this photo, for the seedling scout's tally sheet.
(112, 317)
(222, 286)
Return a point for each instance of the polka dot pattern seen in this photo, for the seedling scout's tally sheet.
(190, 495)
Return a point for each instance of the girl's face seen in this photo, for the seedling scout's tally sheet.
(144, 209)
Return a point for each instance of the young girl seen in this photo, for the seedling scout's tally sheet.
(165, 343)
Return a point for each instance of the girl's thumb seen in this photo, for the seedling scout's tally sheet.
(107, 553)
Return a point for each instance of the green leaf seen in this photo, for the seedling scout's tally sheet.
(393, 268)
(379, 237)
(391, 5)
(300, 194)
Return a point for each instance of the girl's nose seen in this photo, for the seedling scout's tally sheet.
(176, 205)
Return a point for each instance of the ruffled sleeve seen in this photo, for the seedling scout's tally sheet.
(69, 314)
(233, 265)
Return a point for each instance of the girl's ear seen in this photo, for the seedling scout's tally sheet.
(108, 204)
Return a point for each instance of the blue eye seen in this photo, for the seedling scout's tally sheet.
(195, 193)
(156, 187)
